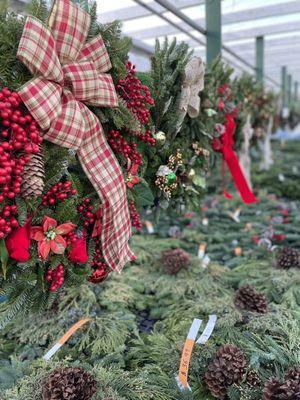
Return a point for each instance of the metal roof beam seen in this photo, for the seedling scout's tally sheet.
(126, 14)
(141, 46)
(230, 18)
(129, 13)
(261, 31)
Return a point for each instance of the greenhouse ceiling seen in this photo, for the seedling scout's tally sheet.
(242, 21)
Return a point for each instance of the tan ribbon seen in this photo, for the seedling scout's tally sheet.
(245, 160)
(192, 85)
(267, 147)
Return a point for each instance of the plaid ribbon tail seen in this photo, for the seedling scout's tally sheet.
(104, 172)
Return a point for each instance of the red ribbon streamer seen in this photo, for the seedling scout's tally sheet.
(230, 158)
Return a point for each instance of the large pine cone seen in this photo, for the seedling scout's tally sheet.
(69, 384)
(175, 260)
(288, 390)
(33, 177)
(247, 298)
(288, 258)
(227, 367)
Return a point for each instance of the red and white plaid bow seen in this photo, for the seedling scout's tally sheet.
(68, 73)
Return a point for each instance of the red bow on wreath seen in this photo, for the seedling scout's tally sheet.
(225, 146)
(69, 74)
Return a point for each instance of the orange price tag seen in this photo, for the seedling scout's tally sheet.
(187, 351)
(65, 338)
(185, 362)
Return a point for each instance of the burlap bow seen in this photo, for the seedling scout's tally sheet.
(192, 85)
(69, 72)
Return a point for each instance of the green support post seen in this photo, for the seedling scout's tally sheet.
(213, 30)
(296, 92)
(260, 59)
(289, 94)
(284, 86)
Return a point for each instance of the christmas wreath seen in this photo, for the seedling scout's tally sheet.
(72, 122)
(87, 142)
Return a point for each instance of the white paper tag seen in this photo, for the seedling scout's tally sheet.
(281, 177)
(149, 226)
(208, 330)
(205, 221)
(205, 261)
(235, 215)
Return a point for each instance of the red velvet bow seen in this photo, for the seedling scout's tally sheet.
(225, 146)
(18, 243)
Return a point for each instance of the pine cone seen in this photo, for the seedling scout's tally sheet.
(247, 298)
(288, 390)
(33, 177)
(69, 384)
(293, 374)
(253, 379)
(288, 258)
(175, 260)
(227, 367)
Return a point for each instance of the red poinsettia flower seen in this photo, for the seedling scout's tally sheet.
(50, 236)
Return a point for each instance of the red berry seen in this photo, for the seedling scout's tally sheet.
(55, 277)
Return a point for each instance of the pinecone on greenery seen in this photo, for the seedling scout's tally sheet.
(288, 390)
(175, 260)
(288, 258)
(69, 384)
(293, 374)
(247, 298)
(227, 368)
(33, 177)
(252, 379)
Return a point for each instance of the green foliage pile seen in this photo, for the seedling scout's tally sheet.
(283, 178)
(140, 320)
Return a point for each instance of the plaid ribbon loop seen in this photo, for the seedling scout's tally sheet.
(68, 74)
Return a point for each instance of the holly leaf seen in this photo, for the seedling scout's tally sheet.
(3, 257)
(143, 195)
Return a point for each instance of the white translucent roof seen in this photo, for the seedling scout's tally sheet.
(242, 21)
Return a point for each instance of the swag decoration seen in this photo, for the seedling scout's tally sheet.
(66, 183)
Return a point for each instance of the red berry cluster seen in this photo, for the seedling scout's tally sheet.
(57, 193)
(100, 269)
(136, 95)
(85, 209)
(225, 91)
(71, 238)
(19, 137)
(135, 217)
(8, 220)
(147, 138)
(55, 277)
(120, 146)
